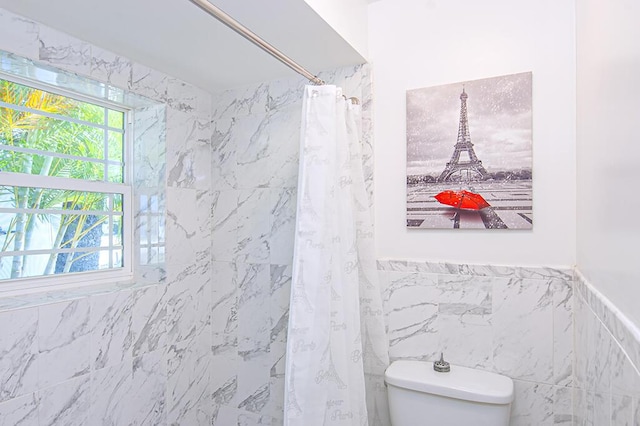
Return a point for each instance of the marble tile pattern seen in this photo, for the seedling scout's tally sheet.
(200, 337)
(607, 367)
(131, 353)
(254, 169)
(514, 321)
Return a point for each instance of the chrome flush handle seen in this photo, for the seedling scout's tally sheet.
(441, 366)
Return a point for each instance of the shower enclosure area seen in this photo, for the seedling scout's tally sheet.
(256, 138)
(200, 337)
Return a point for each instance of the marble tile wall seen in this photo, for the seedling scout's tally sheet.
(607, 362)
(122, 354)
(201, 338)
(256, 136)
(508, 320)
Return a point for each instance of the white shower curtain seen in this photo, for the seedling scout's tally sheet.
(336, 338)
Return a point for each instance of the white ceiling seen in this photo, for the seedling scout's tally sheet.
(176, 37)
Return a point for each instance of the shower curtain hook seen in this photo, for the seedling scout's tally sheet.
(353, 100)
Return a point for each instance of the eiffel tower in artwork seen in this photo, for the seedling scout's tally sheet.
(471, 165)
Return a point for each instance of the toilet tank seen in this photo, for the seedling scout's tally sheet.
(420, 396)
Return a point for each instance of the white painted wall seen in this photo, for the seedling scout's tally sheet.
(347, 17)
(608, 116)
(419, 43)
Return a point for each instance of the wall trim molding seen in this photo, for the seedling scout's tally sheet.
(624, 331)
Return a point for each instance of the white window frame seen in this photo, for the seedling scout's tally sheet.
(10, 287)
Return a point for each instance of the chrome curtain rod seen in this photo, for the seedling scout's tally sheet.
(245, 32)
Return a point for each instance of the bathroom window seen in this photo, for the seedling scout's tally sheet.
(65, 196)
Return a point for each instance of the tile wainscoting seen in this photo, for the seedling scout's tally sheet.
(515, 321)
(607, 361)
(573, 356)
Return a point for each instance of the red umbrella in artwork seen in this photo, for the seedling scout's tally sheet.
(462, 200)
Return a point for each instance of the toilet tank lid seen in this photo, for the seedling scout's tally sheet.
(460, 383)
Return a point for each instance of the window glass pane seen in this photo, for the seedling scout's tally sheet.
(154, 229)
(9, 159)
(116, 146)
(144, 256)
(57, 199)
(83, 260)
(144, 203)
(50, 135)
(46, 231)
(117, 230)
(153, 255)
(40, 100)
(143, 230)
(116, 202)
(46, 165)
(37, 262)
(116, 119)
(40, 133)
(115, 174)
(117, 261)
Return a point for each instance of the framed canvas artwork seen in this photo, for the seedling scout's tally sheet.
(469, 156)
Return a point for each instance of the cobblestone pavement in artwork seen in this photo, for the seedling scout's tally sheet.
(511, 206)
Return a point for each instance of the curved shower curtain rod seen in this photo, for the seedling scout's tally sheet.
(245, 32)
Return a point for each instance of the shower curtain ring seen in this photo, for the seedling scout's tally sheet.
(353, 100)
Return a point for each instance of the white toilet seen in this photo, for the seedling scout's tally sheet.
(421, 396)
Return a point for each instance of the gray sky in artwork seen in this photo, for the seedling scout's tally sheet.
(499, 113)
